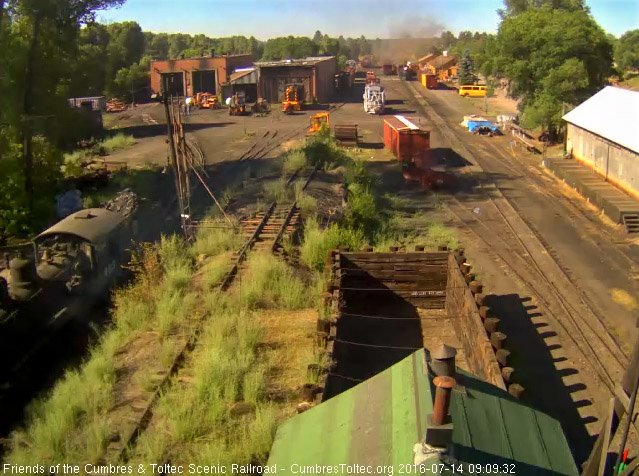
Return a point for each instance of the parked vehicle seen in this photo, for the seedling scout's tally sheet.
(374, 98)
(473, 91)
(389, 69)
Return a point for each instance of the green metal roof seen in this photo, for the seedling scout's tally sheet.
(378, 422)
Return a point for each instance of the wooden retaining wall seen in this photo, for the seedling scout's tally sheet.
(428, 280)
(464, 313)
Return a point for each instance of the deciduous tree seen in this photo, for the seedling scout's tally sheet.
(627, 50)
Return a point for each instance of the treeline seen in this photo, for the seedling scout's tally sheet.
(553, 55)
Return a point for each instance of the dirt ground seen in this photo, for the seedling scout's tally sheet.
(596, 260)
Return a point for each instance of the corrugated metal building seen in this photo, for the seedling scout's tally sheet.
(603, 133)
(315, 75)
(243, 79)
(377, 424)
(186, 77)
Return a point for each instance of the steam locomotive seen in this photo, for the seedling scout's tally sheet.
(67, 268)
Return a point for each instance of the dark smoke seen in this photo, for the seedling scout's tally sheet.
(417, 27)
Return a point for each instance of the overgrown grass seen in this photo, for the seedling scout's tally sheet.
(268, 282)
(216, 239)
(318, 241)
(277, 190)
(294, 160)
(116, 142)
(71, 424)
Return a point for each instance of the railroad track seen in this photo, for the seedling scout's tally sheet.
(263, 233)
(525, 253)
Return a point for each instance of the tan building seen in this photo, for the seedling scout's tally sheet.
(603, 134)
(444, 66)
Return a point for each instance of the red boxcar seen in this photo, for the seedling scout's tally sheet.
(406, 141)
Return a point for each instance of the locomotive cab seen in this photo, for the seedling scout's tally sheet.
(84, 249)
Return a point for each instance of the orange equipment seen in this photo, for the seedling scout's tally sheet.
(291, 100)
(317, 121)
(206, 101)
(237, 104)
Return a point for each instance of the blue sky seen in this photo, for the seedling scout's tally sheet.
(372, 18)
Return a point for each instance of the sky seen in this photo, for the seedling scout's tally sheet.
(265, 19)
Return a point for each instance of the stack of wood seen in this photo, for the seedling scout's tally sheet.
(346, 134)
(115, 105)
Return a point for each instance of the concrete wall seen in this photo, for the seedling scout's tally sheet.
(616, 164)
(223, 65)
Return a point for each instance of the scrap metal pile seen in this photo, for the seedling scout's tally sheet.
(115, 105)
(125, 203)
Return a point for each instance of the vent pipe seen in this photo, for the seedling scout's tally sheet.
(442, 361)
(439, 426)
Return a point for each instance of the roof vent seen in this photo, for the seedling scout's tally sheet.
(85, 216)
(442, 361)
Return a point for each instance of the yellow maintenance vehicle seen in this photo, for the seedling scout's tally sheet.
(317, 121)
(237, 103)
(206, 101)
(292, 100)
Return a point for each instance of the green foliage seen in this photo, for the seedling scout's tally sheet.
(116, 142)
(515, 7)
(467, 70)
(130, 83)
(551, 56)
(318, 241)
(289, 47)
(294, 160)
(268, 282)
(627, 50)
(72, 166)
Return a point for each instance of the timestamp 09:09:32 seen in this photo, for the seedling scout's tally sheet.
(451, 468)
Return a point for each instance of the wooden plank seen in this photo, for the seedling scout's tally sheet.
(416, 278)
(380, 287)
(419, 256)
(606, 439)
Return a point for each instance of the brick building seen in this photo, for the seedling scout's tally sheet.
(186, 77)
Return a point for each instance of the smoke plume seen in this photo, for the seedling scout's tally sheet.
(416, 27)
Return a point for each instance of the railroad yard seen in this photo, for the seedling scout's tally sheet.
(287, 296)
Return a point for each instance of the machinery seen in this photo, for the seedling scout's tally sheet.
(261, 107)
(374, 98)
(206, 101)
(237, 103)
(371, 78)
(408, 72)
(292, 100)
(319, 120)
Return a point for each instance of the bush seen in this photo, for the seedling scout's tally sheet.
(270, 282)
(318, 241)
(72, 166)
(212, 241)
(294, 160)
(117, 142)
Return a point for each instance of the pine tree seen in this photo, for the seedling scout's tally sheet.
(466, 70)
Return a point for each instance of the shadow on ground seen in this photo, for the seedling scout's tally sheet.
(535, 369)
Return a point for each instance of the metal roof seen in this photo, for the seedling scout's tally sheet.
(379, 421)
(308, 61)
(612, 113)
(242, 73)
(91, 224)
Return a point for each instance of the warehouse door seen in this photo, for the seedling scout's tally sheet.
(204, 82)
(303, 88)
(173, 84)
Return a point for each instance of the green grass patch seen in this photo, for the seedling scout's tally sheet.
(268, 282)
(70, 423)
(117, 142)
(293, 161)
(217, 238)
(317, 241)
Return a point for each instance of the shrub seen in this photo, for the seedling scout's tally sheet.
(294, 160)
(318, 241)
(117, 142)
(72, 166)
